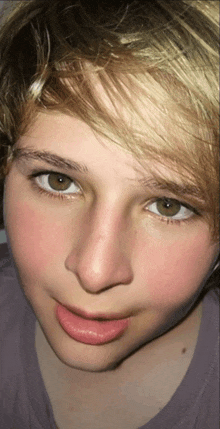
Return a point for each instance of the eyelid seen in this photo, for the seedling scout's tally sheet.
(37, 173)
(40, 172)
(175, 200)
(172, 219)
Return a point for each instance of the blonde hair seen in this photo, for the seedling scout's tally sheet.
(145, 56)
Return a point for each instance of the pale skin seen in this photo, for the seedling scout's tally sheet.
(104, 248)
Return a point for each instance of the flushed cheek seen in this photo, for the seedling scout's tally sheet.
(171, 271)
(37, 238)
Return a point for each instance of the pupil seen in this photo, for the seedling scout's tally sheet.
(168, 208)
(58, 181)
(167, 204)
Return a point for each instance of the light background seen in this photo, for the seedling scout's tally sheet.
(7, 4)
(2, 237)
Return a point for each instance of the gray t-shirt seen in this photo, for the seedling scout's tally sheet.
(24, 402)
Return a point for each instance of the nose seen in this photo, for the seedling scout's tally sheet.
(100, 258)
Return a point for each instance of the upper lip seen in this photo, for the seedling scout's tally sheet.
(92, 316)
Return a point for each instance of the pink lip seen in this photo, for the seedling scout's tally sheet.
(88, 329)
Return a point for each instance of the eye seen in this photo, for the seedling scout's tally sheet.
(57, 183)
(170, 208)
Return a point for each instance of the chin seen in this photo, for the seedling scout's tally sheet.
(94, 367)
(91, 361)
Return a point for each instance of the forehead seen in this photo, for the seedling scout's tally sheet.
(129, 107)
(138, 119)
(72, 139)
(67, 135)
(68, 144)
(147, 112)
(151, 114)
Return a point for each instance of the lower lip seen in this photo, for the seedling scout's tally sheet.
(90, 331)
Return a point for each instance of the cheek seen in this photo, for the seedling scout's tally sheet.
(170, 269)
(35, 236)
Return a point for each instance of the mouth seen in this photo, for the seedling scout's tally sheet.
(93, 329)
(95, 316)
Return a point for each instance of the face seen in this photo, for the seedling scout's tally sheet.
(127, 258)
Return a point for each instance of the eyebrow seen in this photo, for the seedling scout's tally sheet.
(150, 183)
(50, 158)
(174, 187)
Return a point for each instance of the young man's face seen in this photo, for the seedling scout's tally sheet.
(105, 249)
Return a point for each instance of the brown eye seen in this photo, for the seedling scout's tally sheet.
(170, 208)
(57, 183)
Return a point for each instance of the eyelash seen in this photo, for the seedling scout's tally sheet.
(169, 220)
(53, 194)
(32, 177)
